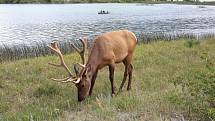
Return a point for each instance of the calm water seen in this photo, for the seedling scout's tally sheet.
(28, 24)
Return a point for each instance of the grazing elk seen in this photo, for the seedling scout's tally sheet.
(107, 50)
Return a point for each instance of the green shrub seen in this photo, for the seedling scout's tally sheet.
(211, 113)
(190, 43)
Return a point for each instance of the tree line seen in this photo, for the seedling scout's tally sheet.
(68, 1)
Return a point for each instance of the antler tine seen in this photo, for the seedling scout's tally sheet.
(54, 48)
(60, 79)
(65, 80)
(81, 52)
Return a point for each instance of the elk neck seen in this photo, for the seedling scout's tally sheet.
(92, 64)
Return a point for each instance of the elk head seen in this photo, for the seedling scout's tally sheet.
(81, 80)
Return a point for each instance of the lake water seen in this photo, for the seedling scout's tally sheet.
(32, 23)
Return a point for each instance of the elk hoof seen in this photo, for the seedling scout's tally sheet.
(113, 95)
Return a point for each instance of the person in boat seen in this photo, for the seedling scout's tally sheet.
(103, 12)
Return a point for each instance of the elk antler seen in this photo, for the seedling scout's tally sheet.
(81, 52)
(54, 48)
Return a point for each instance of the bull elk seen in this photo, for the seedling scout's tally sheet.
(107, 50)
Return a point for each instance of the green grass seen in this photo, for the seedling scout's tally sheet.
(163, 87)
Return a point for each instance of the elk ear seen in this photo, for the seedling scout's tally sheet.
(76, 68)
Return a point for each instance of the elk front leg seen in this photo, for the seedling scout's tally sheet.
(111, 77)
(93, 82)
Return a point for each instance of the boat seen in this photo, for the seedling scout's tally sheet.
(201, 6)
(103, 12)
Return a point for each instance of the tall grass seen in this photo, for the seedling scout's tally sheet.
(150, 37)
(16, 52)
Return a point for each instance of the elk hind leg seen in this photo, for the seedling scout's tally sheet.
(130, 71)
(124, 77)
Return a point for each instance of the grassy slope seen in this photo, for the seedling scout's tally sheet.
(26, 92)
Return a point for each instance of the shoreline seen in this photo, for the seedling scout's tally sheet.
(24, 51)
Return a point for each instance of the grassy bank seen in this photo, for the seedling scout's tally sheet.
(172, 79)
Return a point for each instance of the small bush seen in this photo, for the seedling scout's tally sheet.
(191, 43)
(211, 113)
